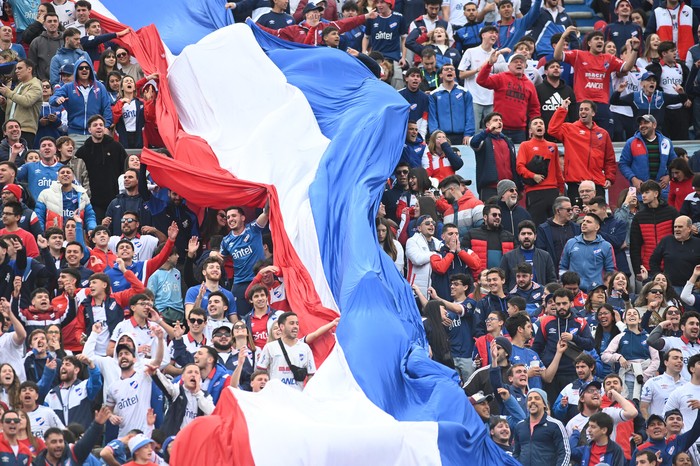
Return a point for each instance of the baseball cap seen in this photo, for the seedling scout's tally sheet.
(648, 75)
(221, 327)
(517, 56)
(138, 441)
(617, 2)
(596, 286)
(67, 69)
(311, 6)
(479, 397)
(592, 383)
(672, 412)
(654, 417)
(647, 117)
(124, 347)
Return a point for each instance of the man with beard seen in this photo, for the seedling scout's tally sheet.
(540, 439)
(207, 359)
(413, 147)
(144, 245)
(542, 265)
(659, 440)
(687, 343)
(564, 326)
(222, 339)
(198, 295)
(57, 452)
(552, 91)
(588, 254)
(391, 196)
(490, 242)
(537, 163)
(143, 269)
(500, 430)
(468, 36)
(657, 389)
(511, 212)
(495, 156)
(187, 399)
(40, 417)
(130, 396)
(459, 207)
(275, 354)
(132, 200)
(418, 100)
(526, 288)
(72, 399)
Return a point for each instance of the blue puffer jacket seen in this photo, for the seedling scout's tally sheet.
(634, 158)
(80, 111)
(547, 445)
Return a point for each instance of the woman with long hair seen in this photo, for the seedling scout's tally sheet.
(214, 223)
(416, 201)
(651, 52)
(609, 325)
(114, 80)
(242, 341)
(596, 298)
(439, 160)
(128, 115)
(651, 305)
(107, 64)
(385, 236)
(681, 182)
(436, 333)
(630, 350)
(9, 386)
(25, 436)
(618, 291)
(436, 40)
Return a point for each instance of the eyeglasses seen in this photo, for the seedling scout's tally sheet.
(402, 172)
(12, 420)
(568, 209)
(490, 319)
(656, 291)
(83, 68)
(46, 86)
(8, 213)
(129, 220)
(196, 321)
(145, 303)
(239, 327)
(673, 313)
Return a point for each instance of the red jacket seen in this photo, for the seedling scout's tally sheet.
(548, 150)
(514, 97)
(677, 192)
(589, 152)
(312, 35)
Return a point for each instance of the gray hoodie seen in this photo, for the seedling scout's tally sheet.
(41, 51)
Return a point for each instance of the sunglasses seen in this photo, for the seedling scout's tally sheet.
(46, 86)
(568, 209)
(221, 334)
(402, 172)
(428, 222)
(128, 220)
(656, 291)
(14, 420)
(196, 321)
(121, 55)
(239, 327)
(83, 68)
(673, 313)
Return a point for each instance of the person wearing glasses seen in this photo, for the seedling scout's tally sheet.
(129, 227)
(419, 250)
(69, 53)
(11, 213)
(490, 242)
(9, 441)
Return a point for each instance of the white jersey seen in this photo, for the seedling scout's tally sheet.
(272, 359)
(657, 390)
(143, 338)
(144, 246)
(42, 419)
(579, 421)
(688, 348)
(65, 12)
(671, 76)
(12, 354)
(472, 59)
(678, 399)
(131, 398)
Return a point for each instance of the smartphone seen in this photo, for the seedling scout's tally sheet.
(633, 191)
(578, 202)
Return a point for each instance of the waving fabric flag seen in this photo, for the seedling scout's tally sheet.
(312, 131)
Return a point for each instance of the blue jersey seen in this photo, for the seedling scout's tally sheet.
(352, 39)
(274, 20)
(116, 277)
(38, 176)
(526, 356)
(119, 451)
(246, 249)
(193, 291)
(385, 35)
(24, 12)
(461, 331)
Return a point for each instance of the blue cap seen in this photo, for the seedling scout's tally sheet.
(647, 75)
(68, 68)
(311, 6)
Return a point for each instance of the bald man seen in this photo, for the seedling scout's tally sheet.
(677, 255)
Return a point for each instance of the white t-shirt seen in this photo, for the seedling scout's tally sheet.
(687, 349)
(129, 116)
(65, 12)
(657, 390)
(456, 11)
(12, 354)
(472, 59)
(678, 399)
(272, 359)
(144, 246)
(131, 398)
(141, 336)
(579, 421)
(42, 419)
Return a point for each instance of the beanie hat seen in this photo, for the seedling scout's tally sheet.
(541, 393)
(503, 187)
(504, 343)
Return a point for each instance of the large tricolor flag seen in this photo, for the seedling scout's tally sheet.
(250, 118)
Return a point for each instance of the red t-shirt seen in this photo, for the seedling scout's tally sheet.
(27, 240)
(259, 328)
(592, 74)
(597, 454)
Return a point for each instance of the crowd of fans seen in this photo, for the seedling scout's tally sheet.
(569, 316)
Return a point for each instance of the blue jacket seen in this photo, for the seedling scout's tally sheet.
(546, 339)
(641, 104)
(614, 456)
(547, 445)
(65, 56)
(217, 382)
(509, 35)
(589, 259)
(451, 112)
(412, 153)
(634, 158)
(79, 401)
(79, 111)
(545, 240)
(546, 26)
(468, 36)
(614, 231)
